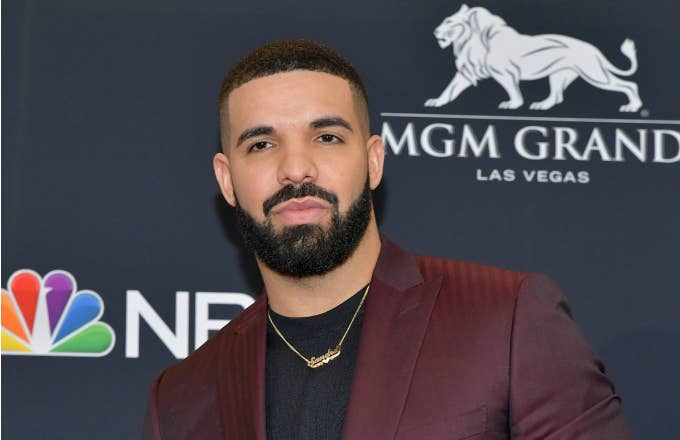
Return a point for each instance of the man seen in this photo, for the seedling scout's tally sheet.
(354, 337)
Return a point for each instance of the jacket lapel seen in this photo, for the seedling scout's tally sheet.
(397, 313)
(398, 310)
(240, 376)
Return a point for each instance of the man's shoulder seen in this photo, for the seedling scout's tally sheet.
(475, 275)
(475, 283)
(403, 268)
(202, 362)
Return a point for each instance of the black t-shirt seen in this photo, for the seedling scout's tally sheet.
(303, 402)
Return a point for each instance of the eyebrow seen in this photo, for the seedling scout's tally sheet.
(330, 121)
(322, 122)
(252, 132)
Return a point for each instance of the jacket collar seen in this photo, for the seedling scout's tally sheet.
(396, 267)
(397, 312)
(240, 374)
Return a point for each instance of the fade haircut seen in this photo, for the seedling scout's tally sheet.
(286, 56)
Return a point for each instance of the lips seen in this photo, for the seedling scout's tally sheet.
(300, 204)
(300, 211)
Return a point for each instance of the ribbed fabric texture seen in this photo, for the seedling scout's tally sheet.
(302, 402)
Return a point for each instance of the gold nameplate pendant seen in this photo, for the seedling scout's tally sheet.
(317, 361)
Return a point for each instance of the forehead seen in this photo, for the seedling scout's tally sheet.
(289, 98)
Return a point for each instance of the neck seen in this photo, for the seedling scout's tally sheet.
(298, 297)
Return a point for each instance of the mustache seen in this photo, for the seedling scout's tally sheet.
(297, 192)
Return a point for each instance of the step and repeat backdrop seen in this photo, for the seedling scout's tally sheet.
(119, 257)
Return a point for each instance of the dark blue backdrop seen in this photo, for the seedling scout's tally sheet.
(109, 128)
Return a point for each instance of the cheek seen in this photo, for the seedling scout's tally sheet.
(347, 184)
(251, 190)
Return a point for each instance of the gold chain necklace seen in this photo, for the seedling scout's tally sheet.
(317, 361)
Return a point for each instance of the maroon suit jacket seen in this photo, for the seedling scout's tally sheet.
(448, 350)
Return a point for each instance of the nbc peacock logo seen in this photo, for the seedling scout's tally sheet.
(48, 316)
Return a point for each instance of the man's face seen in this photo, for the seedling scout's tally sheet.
(297, 160)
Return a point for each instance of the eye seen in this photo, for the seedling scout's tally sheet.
(260, 146)
(328, 138)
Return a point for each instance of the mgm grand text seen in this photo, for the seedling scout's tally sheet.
(585, 143)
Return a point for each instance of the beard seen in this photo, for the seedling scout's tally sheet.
(305, 250)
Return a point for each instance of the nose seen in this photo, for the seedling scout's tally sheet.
(297, 166)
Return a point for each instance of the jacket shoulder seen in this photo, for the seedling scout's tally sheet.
(184, 400)
(200, 365)
(470, 275)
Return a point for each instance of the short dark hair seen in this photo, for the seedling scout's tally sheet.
(288, 55)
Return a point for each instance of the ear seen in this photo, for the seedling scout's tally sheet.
(223, 176)
(464, 8)
(376, 159)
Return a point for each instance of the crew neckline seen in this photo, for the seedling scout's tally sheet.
(338, 316)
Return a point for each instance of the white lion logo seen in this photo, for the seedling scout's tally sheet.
(484, 46)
